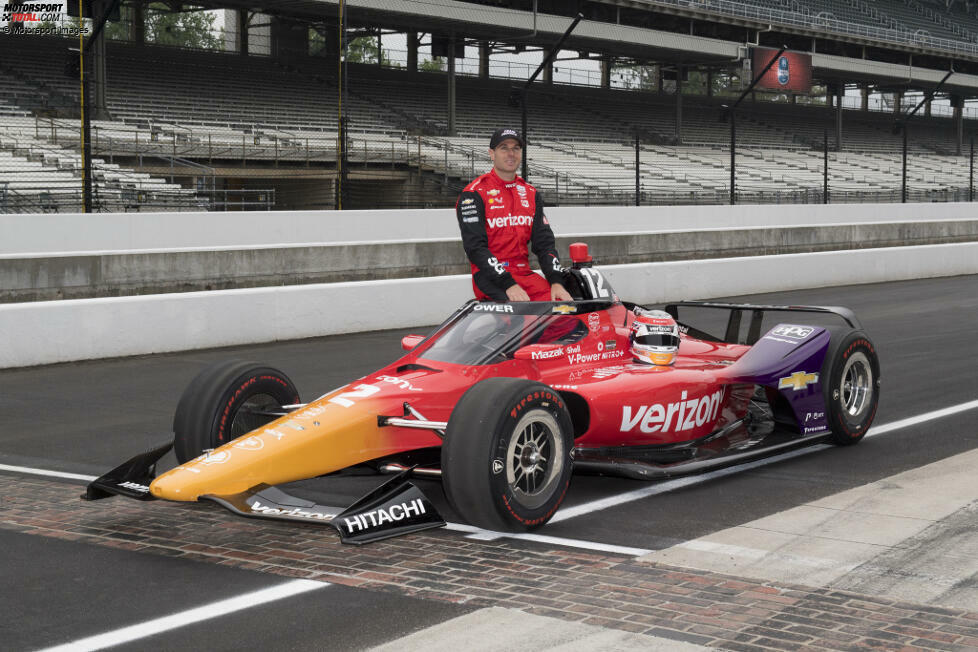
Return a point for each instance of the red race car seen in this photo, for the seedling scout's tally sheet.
(504, 400)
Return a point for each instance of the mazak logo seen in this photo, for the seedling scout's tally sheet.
(689, 414)
(492, 307)
(546, 355)
(510, 220)
(793, 331)
(380, 516)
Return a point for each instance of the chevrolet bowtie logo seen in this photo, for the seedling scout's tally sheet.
(565, 309)
(797, 381)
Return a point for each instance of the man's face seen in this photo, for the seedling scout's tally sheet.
(507, 156)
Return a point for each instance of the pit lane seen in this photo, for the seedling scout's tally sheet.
(86, 417)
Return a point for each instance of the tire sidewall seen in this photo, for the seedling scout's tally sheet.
(211, 400)
(257, 381)
(529, 398)
(846, 430)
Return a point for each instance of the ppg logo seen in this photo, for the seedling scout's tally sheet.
(783, 75)
(792, 331)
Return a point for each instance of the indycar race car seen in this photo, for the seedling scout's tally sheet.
(503, 400)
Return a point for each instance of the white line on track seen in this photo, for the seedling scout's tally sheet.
(46, 472)
(666, 486)
(190, 616)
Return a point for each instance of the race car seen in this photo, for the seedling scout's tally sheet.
(503, 401)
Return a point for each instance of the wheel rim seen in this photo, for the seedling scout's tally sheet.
(252, 414)
(534, 458)
(856, 389)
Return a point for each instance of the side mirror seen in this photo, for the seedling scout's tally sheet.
(408, 342)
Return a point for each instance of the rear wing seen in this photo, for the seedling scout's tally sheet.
(737, 310)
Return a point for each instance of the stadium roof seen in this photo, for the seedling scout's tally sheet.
(474, 21)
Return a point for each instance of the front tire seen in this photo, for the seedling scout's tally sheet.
(227, 400)
(852, 391)
(506, 458)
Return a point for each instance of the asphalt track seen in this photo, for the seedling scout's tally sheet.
(84, 418)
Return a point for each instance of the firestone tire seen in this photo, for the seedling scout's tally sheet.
(852, 391)
(506, 459)
(217, 405)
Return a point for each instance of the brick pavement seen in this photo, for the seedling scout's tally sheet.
(595, 588)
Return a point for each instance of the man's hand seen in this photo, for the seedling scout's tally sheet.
(516, 293)
(558, 293)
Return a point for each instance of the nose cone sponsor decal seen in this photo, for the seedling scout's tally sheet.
(250, 444)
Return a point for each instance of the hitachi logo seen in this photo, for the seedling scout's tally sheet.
(689, 414)
(296, 511)
(380, 516)
(510, 220)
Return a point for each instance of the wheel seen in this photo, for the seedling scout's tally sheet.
(225, 401)
(852, 391)
(506, 458)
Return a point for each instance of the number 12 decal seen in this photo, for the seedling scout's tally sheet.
(360, 391)
(596, 283)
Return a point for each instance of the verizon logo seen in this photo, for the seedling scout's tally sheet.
(510, 220)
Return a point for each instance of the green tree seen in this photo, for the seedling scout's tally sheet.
(364, 50)
(185, 29)
(434, 64)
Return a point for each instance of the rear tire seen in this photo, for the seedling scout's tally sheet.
(852, 390)
(506, 458)
(215, 408)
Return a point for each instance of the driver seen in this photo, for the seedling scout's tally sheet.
(654, 338)
(499, 213)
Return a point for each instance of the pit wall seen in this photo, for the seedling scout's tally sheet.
(58, 331)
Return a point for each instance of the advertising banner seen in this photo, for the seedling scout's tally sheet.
(791, 72)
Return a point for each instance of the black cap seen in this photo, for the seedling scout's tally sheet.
(500, 135)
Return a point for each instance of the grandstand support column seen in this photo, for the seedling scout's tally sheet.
(451, 87)
(606, 72)
(243, 31)
(957, 101)
(137, 24)
(679, 104)
(839, 92)
(412, 52)
(98, 66)
(548, 73)
(483, 60)
(864, 91)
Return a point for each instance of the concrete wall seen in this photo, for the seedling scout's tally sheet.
(153, 231)
(57, 331)
(79, 275)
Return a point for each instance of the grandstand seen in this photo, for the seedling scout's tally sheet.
(191, 129)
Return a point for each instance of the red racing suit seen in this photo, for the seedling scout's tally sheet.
(498, 218)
